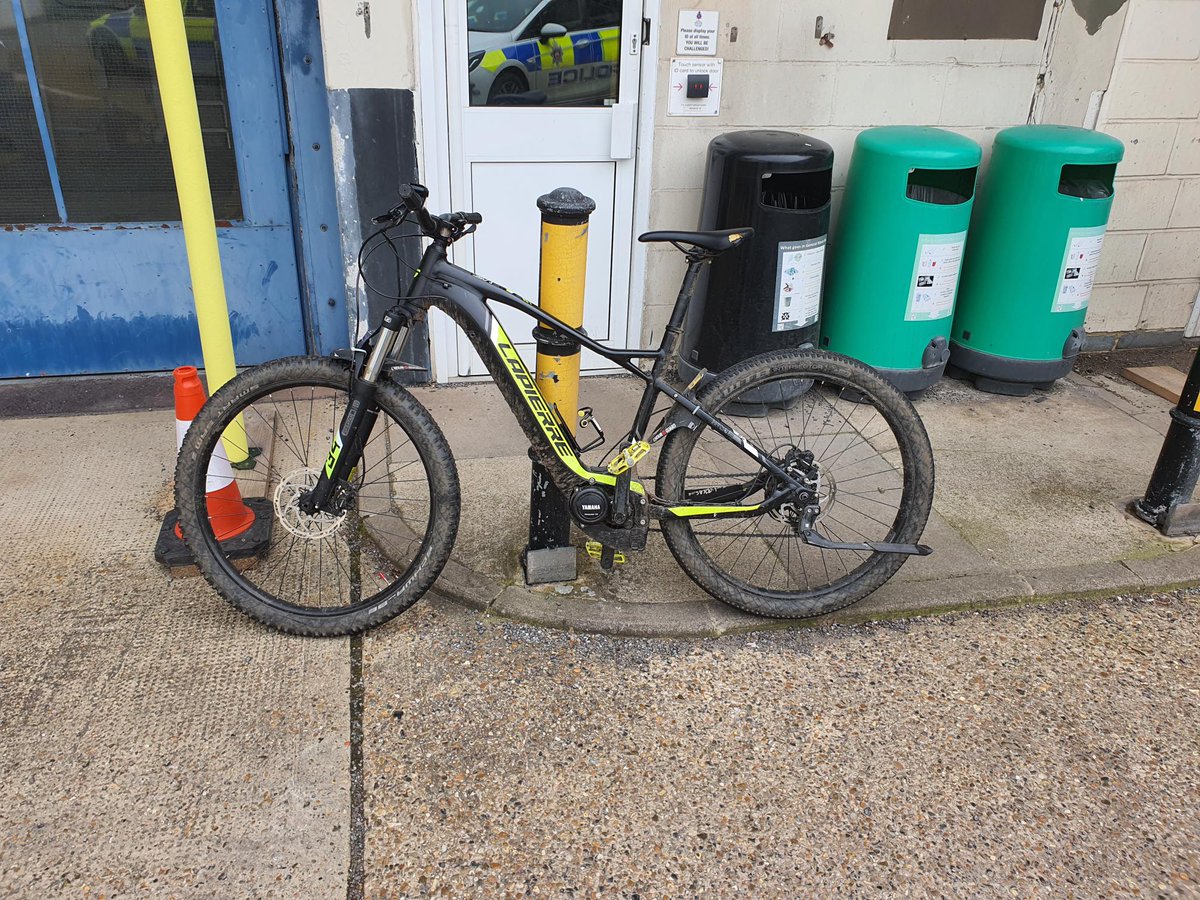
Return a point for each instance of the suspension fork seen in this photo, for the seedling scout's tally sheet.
(355, 428)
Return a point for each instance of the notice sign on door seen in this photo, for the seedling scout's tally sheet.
(935, 276)
(798, 283)
(697, 33)
(1078, 272)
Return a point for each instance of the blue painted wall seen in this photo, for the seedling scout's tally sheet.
(120, 300)
(91, 298)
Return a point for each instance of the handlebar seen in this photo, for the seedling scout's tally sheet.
(450, 226)
(413, 197)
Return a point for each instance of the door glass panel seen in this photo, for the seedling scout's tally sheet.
(97, 80)
(543, 52)
(25, 192)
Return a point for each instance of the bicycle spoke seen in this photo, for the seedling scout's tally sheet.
(333, 560)
(833, 437)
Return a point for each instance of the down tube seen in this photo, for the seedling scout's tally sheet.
(514, 380)
(517, 384)
(526, 386)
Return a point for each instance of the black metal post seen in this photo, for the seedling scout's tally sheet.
(1167, 504)
(549, 517)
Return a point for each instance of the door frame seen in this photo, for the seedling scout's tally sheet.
(304, 101)
(438, 159)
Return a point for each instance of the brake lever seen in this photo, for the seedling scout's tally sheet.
(394, 215)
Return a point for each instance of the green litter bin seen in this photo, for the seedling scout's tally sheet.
(897, 251)
(1032, 257)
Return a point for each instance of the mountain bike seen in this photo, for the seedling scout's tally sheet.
(789, 485)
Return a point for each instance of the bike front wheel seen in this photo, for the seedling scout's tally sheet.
(858, 441)
(316, 574)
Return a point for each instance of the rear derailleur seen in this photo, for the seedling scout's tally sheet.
(815, 497)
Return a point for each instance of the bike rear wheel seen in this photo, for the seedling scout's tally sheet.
(320, 574)
(829, 416)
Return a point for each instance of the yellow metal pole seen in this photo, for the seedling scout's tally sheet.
(172, 62)
(549, 555)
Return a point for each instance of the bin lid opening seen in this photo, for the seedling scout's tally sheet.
(796, 190)
(944, 187)
(1087, 182)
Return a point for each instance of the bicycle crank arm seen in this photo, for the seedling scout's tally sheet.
(811, 537)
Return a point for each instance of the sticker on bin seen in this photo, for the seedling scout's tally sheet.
(935, 277)
(1078, 272)
(798, 283)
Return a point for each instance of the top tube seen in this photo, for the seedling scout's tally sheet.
(445, 270)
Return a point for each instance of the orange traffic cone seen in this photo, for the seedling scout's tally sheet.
(226, 511)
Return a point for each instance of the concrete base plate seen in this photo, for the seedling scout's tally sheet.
(550, 565)
(1044, 522)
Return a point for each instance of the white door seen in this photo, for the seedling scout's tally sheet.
(543, 94)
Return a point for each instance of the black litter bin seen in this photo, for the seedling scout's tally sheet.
(765, 295)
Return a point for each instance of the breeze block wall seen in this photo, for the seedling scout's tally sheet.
(778, 75)
(1150, 271)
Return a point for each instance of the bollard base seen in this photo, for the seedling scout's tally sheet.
(550, 565)
(1182, 520)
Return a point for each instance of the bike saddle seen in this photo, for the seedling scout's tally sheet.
(712, 241)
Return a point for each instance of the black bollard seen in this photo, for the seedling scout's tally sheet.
(1167, 504)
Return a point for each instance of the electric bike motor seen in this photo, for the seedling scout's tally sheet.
(589, 505)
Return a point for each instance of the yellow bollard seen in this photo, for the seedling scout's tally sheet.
(565, 211)
(181, 114)
(563, 273)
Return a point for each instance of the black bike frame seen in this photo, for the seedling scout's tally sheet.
(464, 297)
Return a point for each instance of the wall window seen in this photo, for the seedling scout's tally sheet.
(961, 20)
(92, 126)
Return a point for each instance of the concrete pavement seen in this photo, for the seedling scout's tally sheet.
(152, 741)
(155, 743)
(1030, 503)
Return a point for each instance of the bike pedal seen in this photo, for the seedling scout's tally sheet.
(628, 458)
(595, 550)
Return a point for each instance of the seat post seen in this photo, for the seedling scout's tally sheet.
(670, 340)
(686, 292)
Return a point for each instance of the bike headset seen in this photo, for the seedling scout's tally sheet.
(445, 229)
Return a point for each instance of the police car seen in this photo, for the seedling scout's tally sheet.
(120, 41)
(566, 49)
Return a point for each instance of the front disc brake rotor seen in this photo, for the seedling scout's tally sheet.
(287, 506)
